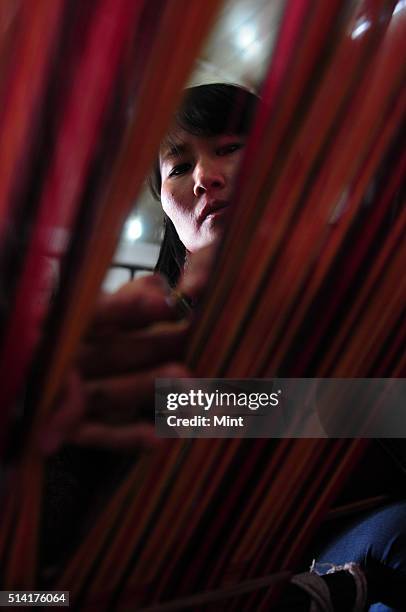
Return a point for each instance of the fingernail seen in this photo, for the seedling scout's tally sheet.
(163, 283)
(171, 301)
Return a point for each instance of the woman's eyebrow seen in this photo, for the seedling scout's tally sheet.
(174, 151)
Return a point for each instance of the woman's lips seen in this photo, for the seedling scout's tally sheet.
(213, 210)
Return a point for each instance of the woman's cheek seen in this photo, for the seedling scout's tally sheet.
(232, 167)
(168, 202)
(173, 207)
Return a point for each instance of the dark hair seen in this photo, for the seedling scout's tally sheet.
(206, 110)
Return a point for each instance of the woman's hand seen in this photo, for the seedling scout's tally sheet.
(108, 397)
(135, 337)
(198, 269)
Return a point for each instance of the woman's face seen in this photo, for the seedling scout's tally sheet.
(198, 175)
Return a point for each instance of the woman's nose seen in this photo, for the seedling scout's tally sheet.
(208, 178)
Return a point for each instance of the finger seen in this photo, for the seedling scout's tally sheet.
(197, 272)
(120, 438)
(137, 304)
(126, 352)
(125, 399)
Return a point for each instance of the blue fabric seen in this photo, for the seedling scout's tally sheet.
(376, 540)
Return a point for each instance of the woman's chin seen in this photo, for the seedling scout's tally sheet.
(214, 234)
(215, 224)
(204, 239)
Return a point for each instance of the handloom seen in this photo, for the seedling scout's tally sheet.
(308, 282)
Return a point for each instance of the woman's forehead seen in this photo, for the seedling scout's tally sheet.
(174, 145)
(176, 137)
(179, 141)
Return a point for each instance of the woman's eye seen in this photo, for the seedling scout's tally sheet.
(179, 169)
(230, 148)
